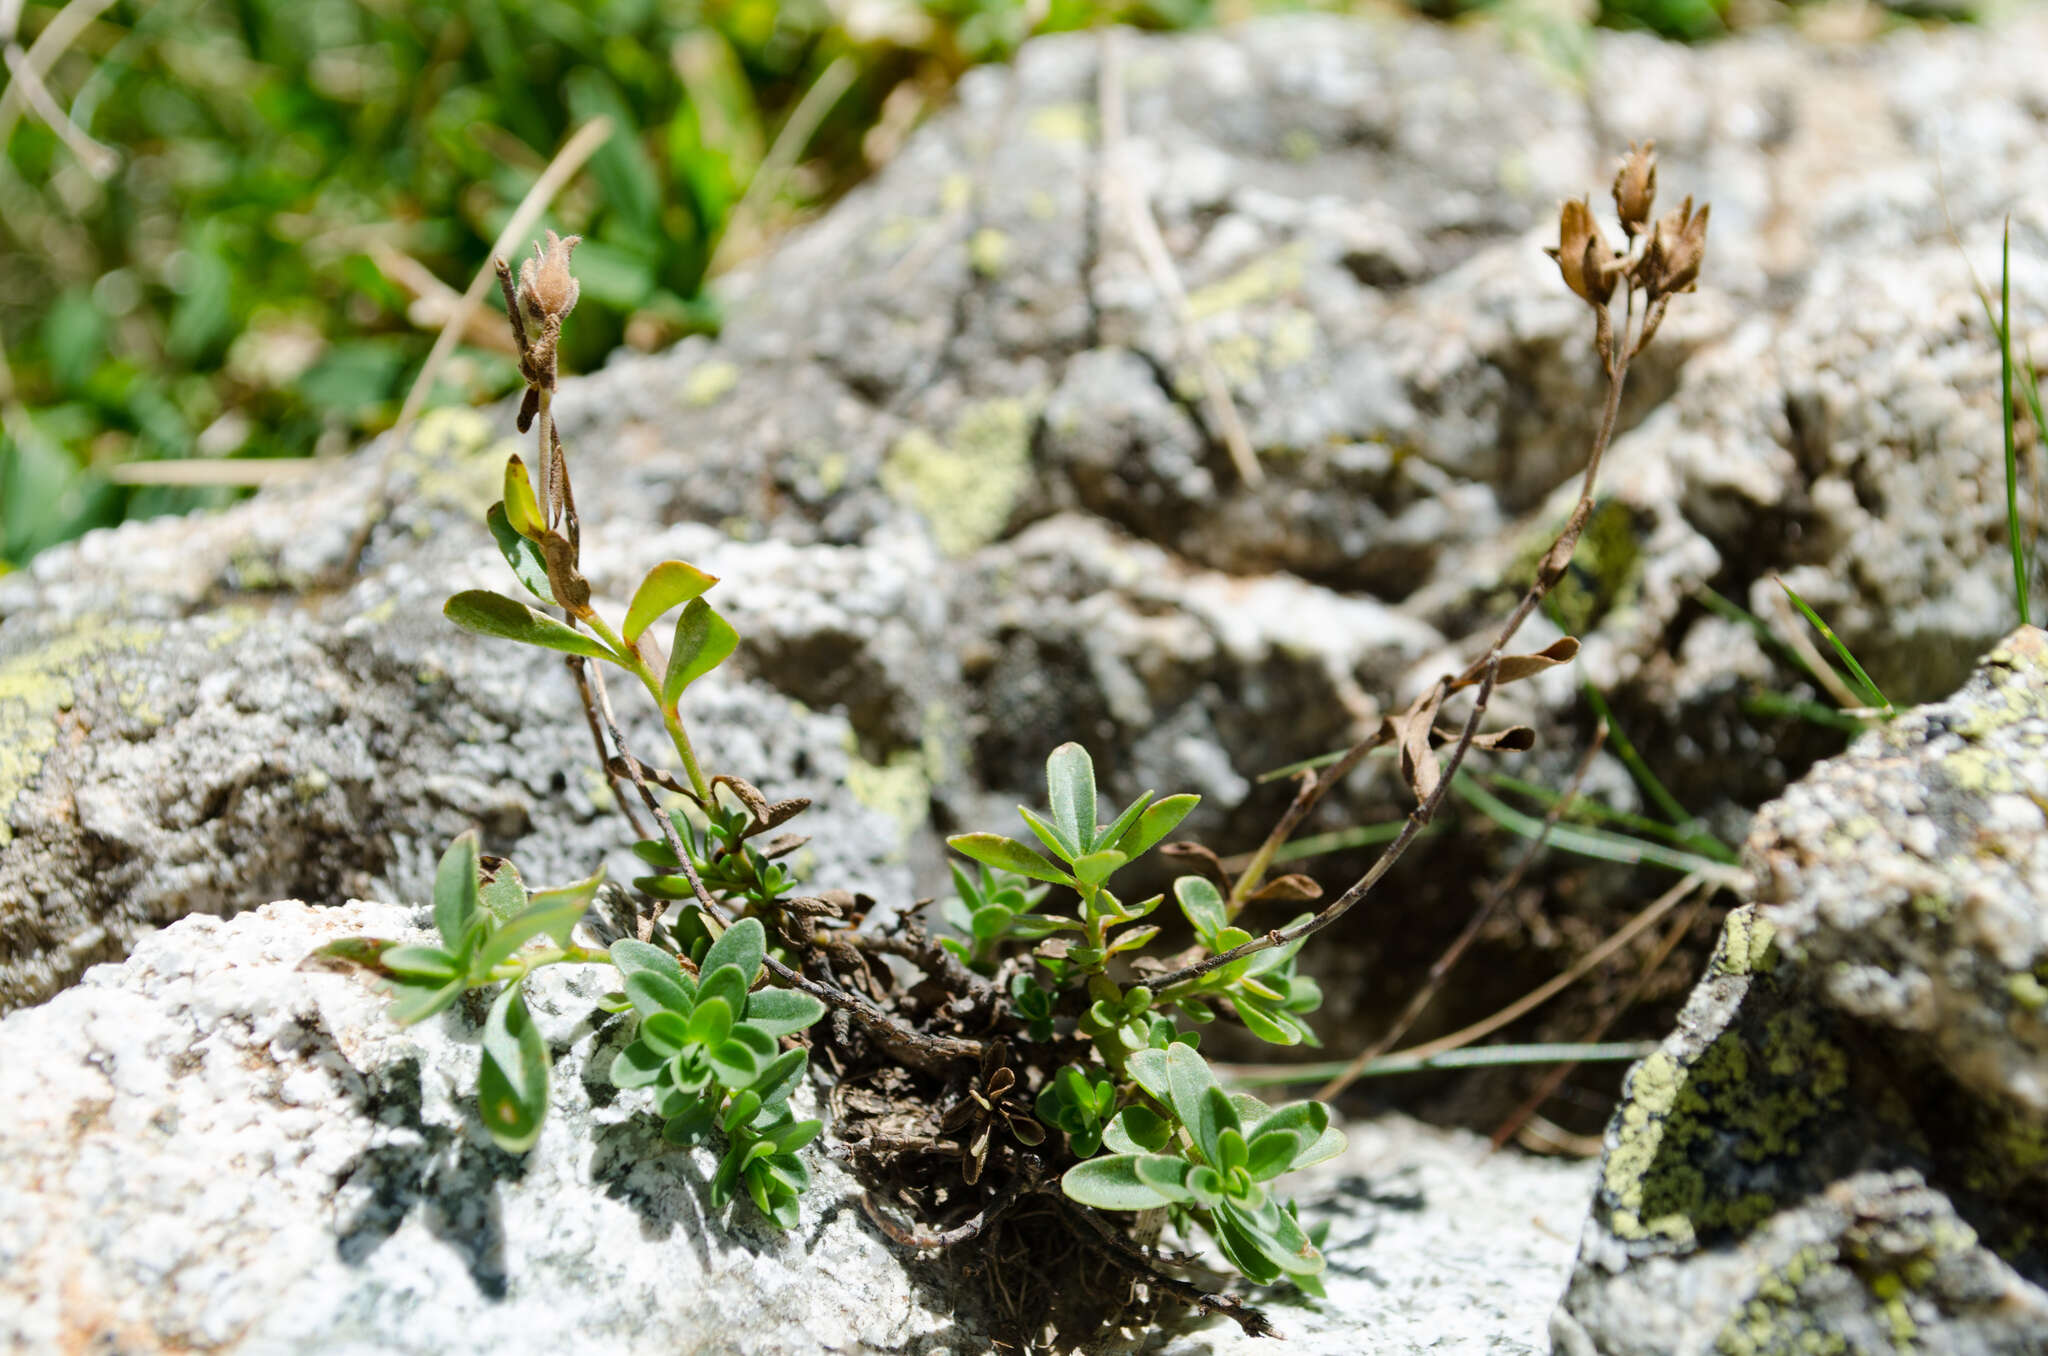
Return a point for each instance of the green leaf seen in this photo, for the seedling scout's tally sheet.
(703, 641)
(455, 887)
(502, 893)
(1138, 1129)
(665, 1032)
(1326, 1147)
(989, 923)
(1097, 867)
(1278, 1235)
(512, 1087)
(1203, 904)
(1276, 1028)
(724, 984)
(692, 1122)
(414, 963)
(1271, 1153)
(1150, 1069)
(1070, 783)
(1130, 939)
(493, 614)
(637, 1066)
(1112, 835)
(741, 946)
(650, 992)
(1007, 854)
(1052, 835)
(1187, 1081)
(1030, 927)
(418, 1000)
(669, 584)
(552, 912)
(738, 1059)
(367, 952)
(1305, 1119)
(1167, 1175)
(745, 1105)
(522, 508)
(780, 1078)
(1111, 1182)
(1214, 1115)
(1158, 821)
(710, 1023)
(1241, 1247)
(631, 956)
(527, 563)
(782, 1012)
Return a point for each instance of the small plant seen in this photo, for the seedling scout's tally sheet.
(1050, 1051)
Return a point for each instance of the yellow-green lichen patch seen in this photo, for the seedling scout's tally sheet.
(454, 461)
(709, 382)
(1748, 944)
(2027, 991)
(1063, 123)
(988, 250)
(1748, 1098)
(967, 486)
(1776, 1320)
(37, 686)
(897, 789)
(1261, 280)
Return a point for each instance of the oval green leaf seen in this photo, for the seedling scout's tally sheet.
(512, 1087)
(493, 614)
(669, 584)
(992, 849)
(703, 641)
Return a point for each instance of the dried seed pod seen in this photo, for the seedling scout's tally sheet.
(1583, 257)
(1635, 188)
(1676, 249)
(546, 286)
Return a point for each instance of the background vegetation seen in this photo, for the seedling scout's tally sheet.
(242, 245)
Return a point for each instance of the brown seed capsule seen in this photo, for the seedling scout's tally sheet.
(1676, 249)
(1635, 187)
(546, 286)
(1583, 258)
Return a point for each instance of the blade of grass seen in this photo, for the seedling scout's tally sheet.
(1872, 694)
(1783, 704)
(1588, 809)
(1478, 1057)
(2014, 540)
(1640, 770)
(1595, 843)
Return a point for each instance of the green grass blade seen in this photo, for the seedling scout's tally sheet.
(1586, 809)
(2014, 540)
(1640, 770)
(1594, 843)
(1872, 693)
(1473, 1057)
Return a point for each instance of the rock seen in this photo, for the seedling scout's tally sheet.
(209, 1147)
(964, 383)
(1841, 1146)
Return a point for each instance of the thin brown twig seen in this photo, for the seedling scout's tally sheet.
(1480, 917)
(1410, 830)
(1551, 1081)
(1315, 785)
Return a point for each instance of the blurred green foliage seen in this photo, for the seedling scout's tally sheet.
(288, 172)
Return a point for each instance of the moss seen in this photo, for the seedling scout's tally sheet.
(967, 486)
(710, 382)
(1605, 573)
(38, 686)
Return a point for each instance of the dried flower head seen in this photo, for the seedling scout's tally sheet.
(546, 286)
(1672, 262)
(1635, 187)
(1583, 257)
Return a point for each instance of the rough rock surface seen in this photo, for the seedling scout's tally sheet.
(1843, 1147)
(952, 459)
(210, 1149)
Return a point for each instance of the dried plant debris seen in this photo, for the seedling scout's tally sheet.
(1029, 1096)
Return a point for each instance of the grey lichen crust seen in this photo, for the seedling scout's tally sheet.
(1836, 1151)
(210, 1148)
